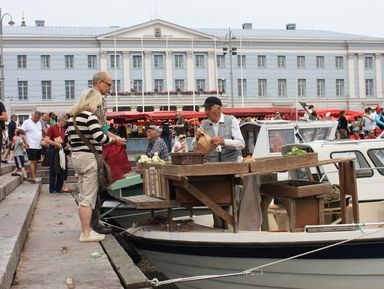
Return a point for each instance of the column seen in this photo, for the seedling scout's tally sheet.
(190, 72)
(361, 76)
(103, 61)
(168, 69)
(126, 70)
(379, 82)
(351, 75)
(211, 71)
(148, 70)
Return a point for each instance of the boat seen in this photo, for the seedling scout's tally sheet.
(323, 247)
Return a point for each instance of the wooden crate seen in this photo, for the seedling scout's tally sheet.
(295, 188)
(282, 163)
(207, 169)
(154, 183)
(187, 158)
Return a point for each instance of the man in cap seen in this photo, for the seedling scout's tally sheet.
(55, 139)
(156, 143)
(224, 130)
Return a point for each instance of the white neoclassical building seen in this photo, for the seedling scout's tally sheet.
(160, 65)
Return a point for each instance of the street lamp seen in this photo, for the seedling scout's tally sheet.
(232, 51)
(1, 52)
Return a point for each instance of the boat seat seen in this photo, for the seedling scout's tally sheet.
(147, 202)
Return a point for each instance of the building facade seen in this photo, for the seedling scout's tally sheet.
(160, 65)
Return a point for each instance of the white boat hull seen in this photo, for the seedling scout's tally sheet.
(299, 273)
(337, 259)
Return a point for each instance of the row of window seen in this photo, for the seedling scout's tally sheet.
(200, 85)
(199, 61)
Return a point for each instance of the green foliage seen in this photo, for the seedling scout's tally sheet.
(295, 151)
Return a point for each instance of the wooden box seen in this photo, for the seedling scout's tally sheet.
(187, 158)
(295, 188)
(282, 163)
(207, 169)
(154, 183)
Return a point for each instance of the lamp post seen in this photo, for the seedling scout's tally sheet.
(232, 51)
(2, 97)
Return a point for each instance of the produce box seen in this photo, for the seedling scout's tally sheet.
(282, 163)
(154, 183)
(187, 158)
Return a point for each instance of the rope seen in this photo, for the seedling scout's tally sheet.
(259, 269)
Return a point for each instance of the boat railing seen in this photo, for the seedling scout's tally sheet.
(341, 227)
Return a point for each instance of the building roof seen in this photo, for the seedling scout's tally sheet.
(72, 31)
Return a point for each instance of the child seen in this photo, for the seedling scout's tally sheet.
(18, 153)
(180, 145)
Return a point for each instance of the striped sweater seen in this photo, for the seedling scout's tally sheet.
(89, 125)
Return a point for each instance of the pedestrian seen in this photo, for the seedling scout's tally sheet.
(180, 145)
(12, 125)
(3, 119)
(156, 143)
(19, 148)
(34, 133)
(180, 124)
(84, 160)
(102, 82)
(342, 126)
(166, 134)
(55, 139)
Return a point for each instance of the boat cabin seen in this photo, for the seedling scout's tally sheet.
(269, 135)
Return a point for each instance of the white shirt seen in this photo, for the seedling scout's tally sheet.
(369, 123)
(177, 146)
(34, 133)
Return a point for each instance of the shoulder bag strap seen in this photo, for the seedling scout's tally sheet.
(83, 138)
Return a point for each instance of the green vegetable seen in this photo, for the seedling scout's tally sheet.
(295, 151)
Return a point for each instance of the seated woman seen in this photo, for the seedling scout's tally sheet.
(180, 145)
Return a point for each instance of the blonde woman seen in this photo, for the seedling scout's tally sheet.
(84, 161)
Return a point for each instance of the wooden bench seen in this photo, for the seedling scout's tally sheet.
(144, 202)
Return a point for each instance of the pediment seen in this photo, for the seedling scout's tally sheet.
(156, 29)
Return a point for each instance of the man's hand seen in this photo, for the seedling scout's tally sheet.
(216, 140)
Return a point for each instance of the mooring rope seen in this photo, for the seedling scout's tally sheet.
(259, 269)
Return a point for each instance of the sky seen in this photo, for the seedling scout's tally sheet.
(347, 16)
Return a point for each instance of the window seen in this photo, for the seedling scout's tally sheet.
(377, 157)
(220, 61)
(92, 61)
(242, 87)
(69, 59)
(369, 87)
(179, 84)
(199, 61)
(261, 61)
(282, 87)
(320, 87)
(117, 83)
(221, 85)
(179, 61)
(90, 83)
(159, 85)
(339, 62)
(262, 85)
(320, 61)
(45, 61)
(339, 87)
(21, 61)
(281, 61)
(200, 84)
(300, 61)
(137, 85)
(368, 62)
(69, 89)
(361, 165)
(301, 87)
(241, 61)
(136, 61)
(22, 88)
(115, 60)
(158, 61)
(46, 89)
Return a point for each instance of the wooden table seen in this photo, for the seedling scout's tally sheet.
(210, 184)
